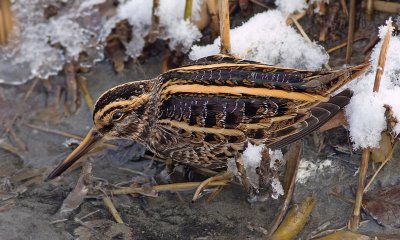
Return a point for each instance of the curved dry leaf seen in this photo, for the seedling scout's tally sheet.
(384, 205)
(345, 235)
(103, 229)
(385, 149)
(77, 195)
(295, 220)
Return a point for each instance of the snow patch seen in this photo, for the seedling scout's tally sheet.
(180, 32)
(291, 6)
(308, 169)
(273, 43)
(252, 159)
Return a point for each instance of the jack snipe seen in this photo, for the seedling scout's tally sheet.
(206, 112)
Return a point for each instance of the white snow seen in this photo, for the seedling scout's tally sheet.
(291, 6)
(252, 159)
(266, 38)
(277, 189)
(276, 159)
(139, 15)
(180, 32)
(366, 113)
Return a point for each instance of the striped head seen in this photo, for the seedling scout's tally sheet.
(120, 111)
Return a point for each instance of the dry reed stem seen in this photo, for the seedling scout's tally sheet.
(214, 194)
(296, 16)
(370, 9)
(6, 20)
(168, 187)
(350, 35)
(66, 134)
(83, 87)
(53, 131)
(344, 7)
(224, 26)
(355, 218)
(260, 3)
(342, 45)
(225, 176)
(11, 148)
(110, 206)
(384, 6)
(20, 144)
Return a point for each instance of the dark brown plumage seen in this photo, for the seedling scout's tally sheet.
(205, 112)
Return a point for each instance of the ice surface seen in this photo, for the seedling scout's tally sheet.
(365, 112)
(79, 26)
(266, 38)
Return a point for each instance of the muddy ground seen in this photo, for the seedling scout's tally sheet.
(29, 207)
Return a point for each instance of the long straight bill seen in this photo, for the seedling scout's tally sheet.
(87, 144)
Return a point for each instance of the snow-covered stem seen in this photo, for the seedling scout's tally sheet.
(382, 56)
(224, 25)
(355, 219)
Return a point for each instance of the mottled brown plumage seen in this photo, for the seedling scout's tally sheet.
(207, 111)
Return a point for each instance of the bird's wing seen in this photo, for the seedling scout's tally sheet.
(233, 100)
(314, 118)
(224, 70)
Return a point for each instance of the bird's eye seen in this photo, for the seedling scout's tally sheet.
(117, 116)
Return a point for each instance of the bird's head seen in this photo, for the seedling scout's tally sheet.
(118, 113)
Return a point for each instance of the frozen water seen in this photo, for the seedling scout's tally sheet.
(30, 47)
(80, 26)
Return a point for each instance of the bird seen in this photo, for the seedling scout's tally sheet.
(207, 111)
